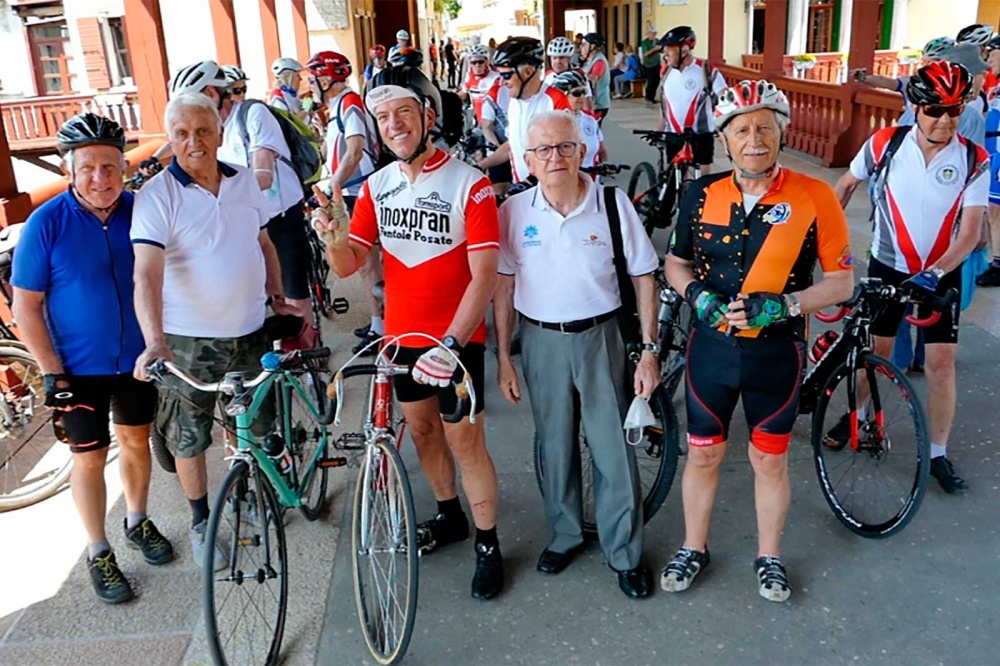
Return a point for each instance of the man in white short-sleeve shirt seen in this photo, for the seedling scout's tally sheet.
(557, 270)
(929, 199)
(204, 268)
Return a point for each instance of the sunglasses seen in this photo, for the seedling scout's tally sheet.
(477, 62)
(938, 111)
(506, 76)
(238, 91)
(579, 92)
(565, 149)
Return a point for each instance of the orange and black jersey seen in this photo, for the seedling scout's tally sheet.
(773, 248)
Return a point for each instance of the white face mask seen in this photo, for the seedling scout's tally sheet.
(639, 416)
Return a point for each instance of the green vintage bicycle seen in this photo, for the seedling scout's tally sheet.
(246, 602)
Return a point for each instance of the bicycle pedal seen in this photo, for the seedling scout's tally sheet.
(340, 305)
(333, 462)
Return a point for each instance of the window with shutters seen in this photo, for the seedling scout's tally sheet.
(48, 57)
(117, 48)
(94, 56)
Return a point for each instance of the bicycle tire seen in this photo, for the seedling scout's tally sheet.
(647, 206)
(161, 452)
(303, 435)
(830, 461)
(28, 440)
(244, 480)
(383, 469)
(663, 448)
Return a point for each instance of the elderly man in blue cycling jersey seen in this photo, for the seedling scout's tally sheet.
(72, 279)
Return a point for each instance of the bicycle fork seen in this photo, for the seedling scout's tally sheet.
(862, 389)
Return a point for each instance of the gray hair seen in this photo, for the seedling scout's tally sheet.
(188, 100)
(564, 117)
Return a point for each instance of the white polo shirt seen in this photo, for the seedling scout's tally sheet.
(563, 267)
(264, 132)
(213, 278)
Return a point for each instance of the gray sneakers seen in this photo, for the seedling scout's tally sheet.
(221, 560)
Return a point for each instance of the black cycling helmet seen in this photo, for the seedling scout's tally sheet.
(569, 80)
(993, 44)
(939, 83)
(517, 51)
(407, 57)
(400, 83)
(90, 129)
(682, 35)
(595, 39)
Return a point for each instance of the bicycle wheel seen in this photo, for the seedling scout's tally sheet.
(245, 603)
(307, 439)
(34, 464)
(656, 459)
(876, 489)
(642, 192)
(158, 443)
(384, 553)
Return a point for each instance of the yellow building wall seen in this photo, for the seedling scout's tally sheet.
(989, 12)
(694, 14)
(925, 19)
(736, 33)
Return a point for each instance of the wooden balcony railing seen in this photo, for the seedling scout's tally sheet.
(832, 67)
(32, 123)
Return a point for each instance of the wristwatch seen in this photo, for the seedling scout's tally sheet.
(274, 297)
(652, 348)
(794, 307)
(937, 272)
(450, 342)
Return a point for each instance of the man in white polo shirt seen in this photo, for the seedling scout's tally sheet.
(557, 270)
(204, 269)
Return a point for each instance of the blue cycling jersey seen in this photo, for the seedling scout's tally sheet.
(84, 269)
(992, 144)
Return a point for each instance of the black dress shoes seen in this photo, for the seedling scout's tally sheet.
(635, 583)
(552, 562)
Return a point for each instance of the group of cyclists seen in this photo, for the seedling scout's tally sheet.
(402, 211)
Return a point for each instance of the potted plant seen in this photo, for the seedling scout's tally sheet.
(804, 61)
(908, 56)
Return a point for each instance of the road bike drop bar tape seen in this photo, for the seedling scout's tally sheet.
(874, 287)
(463, 391)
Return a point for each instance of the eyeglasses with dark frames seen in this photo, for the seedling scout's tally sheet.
(564, 148)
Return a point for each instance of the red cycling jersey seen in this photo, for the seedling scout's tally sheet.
(427, 230)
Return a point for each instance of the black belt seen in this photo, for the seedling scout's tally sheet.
(578, 326)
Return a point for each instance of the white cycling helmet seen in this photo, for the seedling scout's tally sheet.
(282, 65)
(747, 96)
(402, 34)
(233, 73)
(479, 51)
(560, 46)
(977, 33)
(195, 78)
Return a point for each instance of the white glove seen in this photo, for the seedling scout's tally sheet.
(435, 367)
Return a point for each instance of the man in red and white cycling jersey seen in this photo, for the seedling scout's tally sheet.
(517, 61)
(689, 90)
(928, 215)
(479, 80)
(560, 52)
(437, 221)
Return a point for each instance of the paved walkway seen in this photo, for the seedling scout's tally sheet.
(926, 596)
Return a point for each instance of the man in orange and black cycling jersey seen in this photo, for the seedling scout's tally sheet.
(437, 221)
(747, 242)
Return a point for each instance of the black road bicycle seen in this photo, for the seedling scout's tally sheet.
(657, 192)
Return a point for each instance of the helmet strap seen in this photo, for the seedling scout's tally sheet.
(929, 139)
(746, 175)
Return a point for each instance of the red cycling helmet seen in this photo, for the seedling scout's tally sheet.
(939, 84)
(377, 51)
(331, 64)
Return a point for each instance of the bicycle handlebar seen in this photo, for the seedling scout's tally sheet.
(888, 292)
(270, 362)
(606, 169)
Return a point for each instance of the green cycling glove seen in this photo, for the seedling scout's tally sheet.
(709, 306)
(764, 308)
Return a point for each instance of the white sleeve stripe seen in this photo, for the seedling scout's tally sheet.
(485, 246)
(361, 241)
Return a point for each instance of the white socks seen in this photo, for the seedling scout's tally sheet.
(938, 450)
(377, 326)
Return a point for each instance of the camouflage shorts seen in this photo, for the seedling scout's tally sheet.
(184, 414)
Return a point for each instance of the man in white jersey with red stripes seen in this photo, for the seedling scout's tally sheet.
(437, 221)
(690, 86)
(929, 201)
(518, 61)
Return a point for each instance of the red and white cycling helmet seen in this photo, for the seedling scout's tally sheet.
(747, 96)
(377, 51)
(331, 64)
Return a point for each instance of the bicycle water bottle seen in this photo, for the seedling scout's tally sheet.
(274, 447)
(822, 345)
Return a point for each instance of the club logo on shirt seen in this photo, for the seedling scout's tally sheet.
(690, 84)
(778, 214)
(588, 130)
(594, 241)
(846, 259)
(947, 175)
(530, 232)
(433, 201)
(391, 193)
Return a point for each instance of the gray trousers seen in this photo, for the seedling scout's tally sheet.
(591, 364)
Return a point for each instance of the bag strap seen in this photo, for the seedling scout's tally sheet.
(880, 172)
(626, 291)
(241, 125)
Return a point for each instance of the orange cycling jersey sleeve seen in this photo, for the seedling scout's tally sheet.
(832, 234)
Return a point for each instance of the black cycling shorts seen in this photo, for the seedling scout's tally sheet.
(703, 147)
(407, 390)
(766, 373)
(886, 322)
(130, 402)
(288, 233)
